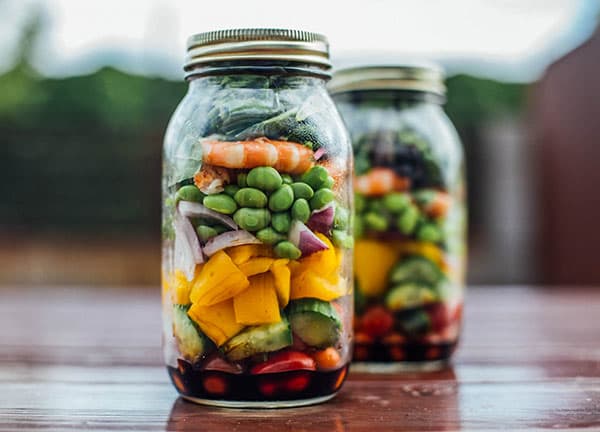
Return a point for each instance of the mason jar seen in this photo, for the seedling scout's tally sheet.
(257, 235)
(409, 226)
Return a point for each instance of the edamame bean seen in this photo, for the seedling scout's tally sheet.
(252, 219)
(281, 222)
(242, 180)
(328, 183)
(264, 178)
(321, 198)
(407, 221)
(375, 205)
(269, 236)
(301, 210)
(340, 220)
(342, 239)
(302, 190)
(286, 249)
(360, 203)
(231, 189)
(205, 232)
(315, 177)
(282, 199)
(220, 229)
(251, 197)
(221, 203)
(429, 232)
(375, 222)
(287, 179)
(189, 193)
(396, 202)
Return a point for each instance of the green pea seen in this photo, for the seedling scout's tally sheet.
(205, 232)
(358, 227)
(282, 199)
(269, 236)
(264, 178)
(281, 222)
(252, 219)
(396, 202)
(242, 180)
(221, 203)
(328, 183)
(407, 221)
(429, 232)
(341, 218)
(286, 249)
(287, 179)
(302, 190)
(376, 222)
(301, 210)
(250, 197)
(321, 198)
(360, 203)
(342, 239)
(231, 189)
(189, 193)
(315, 177)
(220, 229)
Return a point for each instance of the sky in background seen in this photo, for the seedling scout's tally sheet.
(511, 40)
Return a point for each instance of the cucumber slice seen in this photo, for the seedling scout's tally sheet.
(192, 343)
(316, 322)
(258, 339)
(416, 269)
(410, 295)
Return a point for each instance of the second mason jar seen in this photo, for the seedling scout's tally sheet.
(257, 244)
(409, 225)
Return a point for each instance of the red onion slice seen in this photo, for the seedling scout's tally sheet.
(319, 153)
(304, 239)
(187, 250)
(194, 209)
(321, 220)
(229, 239)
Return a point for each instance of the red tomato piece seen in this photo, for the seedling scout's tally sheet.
(439, 316)
(297, 383)
(268, 387)
(215, 385)
(285, 361)
(377, 321)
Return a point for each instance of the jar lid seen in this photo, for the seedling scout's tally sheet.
(257, 44)
(427, 78)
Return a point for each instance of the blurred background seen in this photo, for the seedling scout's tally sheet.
(87, 88)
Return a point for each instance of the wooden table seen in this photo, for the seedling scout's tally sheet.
(82, 359)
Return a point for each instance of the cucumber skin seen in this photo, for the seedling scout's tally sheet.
(192, 343)
(316, 322)
(416, 269)
(258, 339)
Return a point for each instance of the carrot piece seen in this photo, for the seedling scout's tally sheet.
(328, 358)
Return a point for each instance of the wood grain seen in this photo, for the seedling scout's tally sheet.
(82, 359)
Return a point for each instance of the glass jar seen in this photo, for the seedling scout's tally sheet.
(409, 226)
(257, 243)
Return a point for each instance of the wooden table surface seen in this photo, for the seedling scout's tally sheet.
(82, 359)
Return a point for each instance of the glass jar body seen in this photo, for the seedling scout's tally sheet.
(257, 245)
(410, 221)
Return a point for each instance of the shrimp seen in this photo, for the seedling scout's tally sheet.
(211, 179)
(284, 156)
(380, 181)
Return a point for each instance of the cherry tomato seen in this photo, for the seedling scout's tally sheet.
(285, 361)
(215, 385)
(297, 383)
(439, 314)
(377, 321)
(268, 387)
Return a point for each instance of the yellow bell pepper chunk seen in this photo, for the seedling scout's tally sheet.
(216, 321)
(427, 250)
(373, 260)
(323, 262)
(309, 284)
(258, 303)
(219, 280)
(255, 266)
(281, 275)
(243, 253)
(181, 288)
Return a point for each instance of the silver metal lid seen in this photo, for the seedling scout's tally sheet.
(257, 44)
(424, 78)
